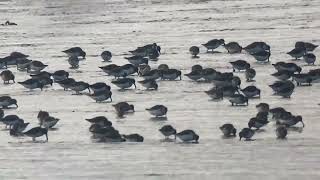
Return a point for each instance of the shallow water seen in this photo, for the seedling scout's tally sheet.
(45, 28)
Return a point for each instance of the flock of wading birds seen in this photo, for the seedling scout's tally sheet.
(226, 85)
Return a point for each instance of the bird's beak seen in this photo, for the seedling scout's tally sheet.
(302, 123)
(47, 137)
(16, 105)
